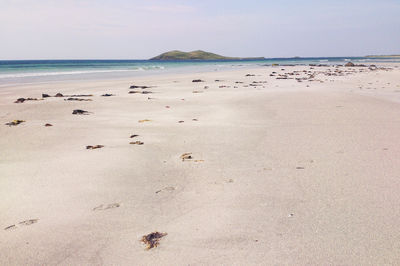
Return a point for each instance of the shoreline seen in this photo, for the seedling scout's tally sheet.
(293, 166)
(66, 70)
(33, 87)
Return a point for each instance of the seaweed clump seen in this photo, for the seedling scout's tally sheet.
(94, 147)
(79, 112)
(137, 142)
(186, 156)
(14, 123)
(152, 240)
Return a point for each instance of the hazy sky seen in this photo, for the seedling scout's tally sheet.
(130, 29)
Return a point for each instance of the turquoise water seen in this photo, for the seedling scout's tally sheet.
(23, 71)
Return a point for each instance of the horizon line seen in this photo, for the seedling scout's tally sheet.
(132, 59)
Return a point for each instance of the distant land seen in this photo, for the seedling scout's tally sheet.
(384, 56)
(198, 55)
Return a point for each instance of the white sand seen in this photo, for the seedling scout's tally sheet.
(291, 174)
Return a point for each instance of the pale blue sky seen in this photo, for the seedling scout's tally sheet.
(131, 29)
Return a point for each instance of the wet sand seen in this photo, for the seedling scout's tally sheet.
(281, 171)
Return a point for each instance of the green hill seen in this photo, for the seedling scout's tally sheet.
(196, 55)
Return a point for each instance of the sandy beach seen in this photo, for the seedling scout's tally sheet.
(293, 165)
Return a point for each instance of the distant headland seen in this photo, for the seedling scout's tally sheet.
(198, 55)
(383, 56)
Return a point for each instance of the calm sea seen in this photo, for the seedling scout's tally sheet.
(27, 71)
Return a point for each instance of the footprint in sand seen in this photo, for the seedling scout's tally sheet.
(168, 189)
(11, 227)
(302, 162)
(29, 222)
(103, 207)
(23, 223)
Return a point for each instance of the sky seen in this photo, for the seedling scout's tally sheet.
(131, 29)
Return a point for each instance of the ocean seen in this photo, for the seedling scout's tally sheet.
(29, 71)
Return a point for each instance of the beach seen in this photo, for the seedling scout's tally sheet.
(283, 165)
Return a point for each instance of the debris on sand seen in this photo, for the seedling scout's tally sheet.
(79, 95)
(14, 123)
(136, 142)
(181, 121)
(250, 75)
(141, 92)
(198, 91)
(107, 95)
(152, 240)
(21, 100)
(139, 87)
(77, 99)
(186, 156)
(134, 136)
(48, 125)
(197, 80)
(59, 95)
(94, 147)
(144, 120)
(79, 112)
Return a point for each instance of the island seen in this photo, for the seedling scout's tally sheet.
(198, 55)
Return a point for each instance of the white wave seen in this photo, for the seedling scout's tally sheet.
(42, 74)
(324, 60)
